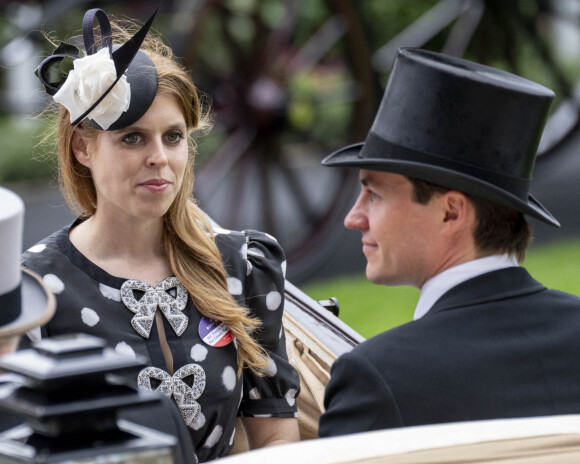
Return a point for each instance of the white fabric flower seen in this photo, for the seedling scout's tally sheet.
(90, 78)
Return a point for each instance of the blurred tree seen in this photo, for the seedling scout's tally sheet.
(292, 80)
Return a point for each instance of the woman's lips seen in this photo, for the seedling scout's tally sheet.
(155, 185)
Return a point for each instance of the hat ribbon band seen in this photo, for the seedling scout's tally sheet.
(50, 89)
(104, 27)
(10, 306)
(380, 149)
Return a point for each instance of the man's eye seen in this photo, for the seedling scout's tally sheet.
(131, 139)
(373, 196)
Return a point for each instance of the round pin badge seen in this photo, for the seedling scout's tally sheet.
(214, 333)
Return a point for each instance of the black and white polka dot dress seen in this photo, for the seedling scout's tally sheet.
(200, 371)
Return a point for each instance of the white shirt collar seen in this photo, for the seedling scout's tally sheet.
(437, 285)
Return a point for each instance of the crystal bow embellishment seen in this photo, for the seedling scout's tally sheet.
(183, 394)
(154, 298)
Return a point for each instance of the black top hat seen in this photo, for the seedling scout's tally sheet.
(128, 60)
(25, 301)
(457, 124)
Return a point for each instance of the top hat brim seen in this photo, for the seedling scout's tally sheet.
(38, 306)
(350, 156)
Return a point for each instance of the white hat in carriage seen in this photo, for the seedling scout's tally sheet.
(25, 301)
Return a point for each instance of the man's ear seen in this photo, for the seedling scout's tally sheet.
(80, 148)
(458, 210)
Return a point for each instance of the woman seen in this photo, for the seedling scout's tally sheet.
(142, 266)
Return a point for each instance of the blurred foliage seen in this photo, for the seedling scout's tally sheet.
(385, 19)
(22, 158)
(306, 90)
(499, 42)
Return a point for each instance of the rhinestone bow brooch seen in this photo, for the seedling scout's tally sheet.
(153, 298)
(175, 386)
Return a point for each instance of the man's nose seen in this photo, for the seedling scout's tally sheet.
(355, 219)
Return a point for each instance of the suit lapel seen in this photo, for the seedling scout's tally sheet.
(492, 286)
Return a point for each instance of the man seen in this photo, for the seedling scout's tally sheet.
(26, 303)
(445, 173)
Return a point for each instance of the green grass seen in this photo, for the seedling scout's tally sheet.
(21, 158)
(370, 309)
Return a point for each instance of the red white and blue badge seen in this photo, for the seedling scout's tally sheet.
(214, 333)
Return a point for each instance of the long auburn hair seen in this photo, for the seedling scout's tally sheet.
(187, 238)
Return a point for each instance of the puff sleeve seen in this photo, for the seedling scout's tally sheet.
(257, 282)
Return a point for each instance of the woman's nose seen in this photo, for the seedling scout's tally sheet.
(157, 155)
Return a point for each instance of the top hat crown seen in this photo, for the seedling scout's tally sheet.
(25, 301)
(460, 125)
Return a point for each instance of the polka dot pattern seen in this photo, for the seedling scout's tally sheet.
(198, 352)
(255, 394)
(214, 437)
(283, 266)
(220, 231)
(54, 284)
(271, 369)
(229, 378)
(90, 317)
(256, 252)
(273, 300)
(110, 292)
(37, 248)
(124, 349)
(234, 286)
(291, 396)
(199, 422)
(254, 266)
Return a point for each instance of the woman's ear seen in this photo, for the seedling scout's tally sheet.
(80, 148)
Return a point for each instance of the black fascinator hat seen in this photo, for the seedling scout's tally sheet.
(460, 125)
(111, 87)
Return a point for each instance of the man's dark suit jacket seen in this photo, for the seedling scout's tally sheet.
(496, 346)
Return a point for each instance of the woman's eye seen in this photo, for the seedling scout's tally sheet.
(131, 139)
(174, 137)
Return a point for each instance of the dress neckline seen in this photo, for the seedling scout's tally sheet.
(81, 261)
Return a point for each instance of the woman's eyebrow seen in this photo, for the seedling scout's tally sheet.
(137, 128)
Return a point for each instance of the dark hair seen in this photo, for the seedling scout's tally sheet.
(499, 228)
